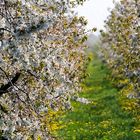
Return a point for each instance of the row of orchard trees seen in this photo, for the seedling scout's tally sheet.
(121, 44)
(41, 62)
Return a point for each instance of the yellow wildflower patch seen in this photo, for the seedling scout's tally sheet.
(105, 124)
(137, 130)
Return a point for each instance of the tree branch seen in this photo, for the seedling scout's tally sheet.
(4, 88)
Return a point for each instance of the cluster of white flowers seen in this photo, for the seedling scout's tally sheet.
(41, 64)
(121, 43)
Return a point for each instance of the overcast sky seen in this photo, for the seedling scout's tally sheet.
(95, 11)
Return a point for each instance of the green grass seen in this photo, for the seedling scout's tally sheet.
(103, 119)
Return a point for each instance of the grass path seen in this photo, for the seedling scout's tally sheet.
(103, 119)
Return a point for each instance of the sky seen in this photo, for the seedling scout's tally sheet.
(95, 11)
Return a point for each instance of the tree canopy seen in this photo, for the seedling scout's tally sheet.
(121, 44)
(41, 62)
